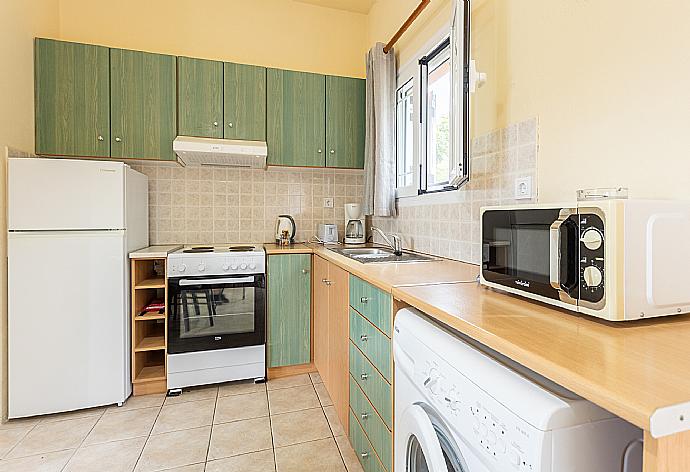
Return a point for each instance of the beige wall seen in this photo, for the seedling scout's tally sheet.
(20, 21)
(276, 33)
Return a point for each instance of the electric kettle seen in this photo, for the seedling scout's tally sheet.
(285, 223)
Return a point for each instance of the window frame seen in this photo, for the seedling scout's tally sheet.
(400, 94)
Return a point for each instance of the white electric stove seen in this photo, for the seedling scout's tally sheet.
(217, 320)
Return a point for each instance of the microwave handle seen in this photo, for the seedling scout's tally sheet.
(555, 249)
(229, 280)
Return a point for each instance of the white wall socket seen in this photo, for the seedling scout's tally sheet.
(523, 188)
(328, 202)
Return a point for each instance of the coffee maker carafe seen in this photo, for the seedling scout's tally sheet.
(355, 232)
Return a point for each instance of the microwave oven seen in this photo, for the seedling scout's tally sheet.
(616, 259)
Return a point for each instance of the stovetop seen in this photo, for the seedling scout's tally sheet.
(228, 259)
(242, 248)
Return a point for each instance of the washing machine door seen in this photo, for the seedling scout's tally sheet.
(428, 447)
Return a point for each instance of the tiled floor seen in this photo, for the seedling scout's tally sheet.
(286, 425)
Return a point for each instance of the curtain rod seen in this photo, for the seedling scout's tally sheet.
(406, 25)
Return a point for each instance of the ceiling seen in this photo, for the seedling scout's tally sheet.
(354, 6)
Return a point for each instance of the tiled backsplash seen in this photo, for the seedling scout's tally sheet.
(195, 205)
(452, 229)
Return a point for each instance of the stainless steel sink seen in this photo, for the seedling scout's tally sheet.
(370, 255)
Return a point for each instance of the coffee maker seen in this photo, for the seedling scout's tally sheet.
(355, 232)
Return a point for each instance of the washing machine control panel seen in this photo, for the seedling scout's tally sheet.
(497, 435)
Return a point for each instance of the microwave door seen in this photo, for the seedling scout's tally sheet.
(564, 263)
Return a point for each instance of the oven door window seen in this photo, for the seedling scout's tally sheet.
(216, 313)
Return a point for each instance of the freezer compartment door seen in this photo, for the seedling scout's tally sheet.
(64, 194)
(68, 323)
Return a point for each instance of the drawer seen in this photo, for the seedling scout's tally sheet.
(373, 303)
(363, 448)
(372, 342)
(372, 424)
(372, 383)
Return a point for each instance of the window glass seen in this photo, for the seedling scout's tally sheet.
(405, 136)
(438, 107)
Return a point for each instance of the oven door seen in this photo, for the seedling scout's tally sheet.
(208, 313)
(533, 250)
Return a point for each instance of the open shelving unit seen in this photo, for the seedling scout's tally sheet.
(149, 331)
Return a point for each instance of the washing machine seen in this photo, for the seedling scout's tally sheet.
(461, 407)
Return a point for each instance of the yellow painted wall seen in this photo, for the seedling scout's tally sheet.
(20, 21)
(276, 33)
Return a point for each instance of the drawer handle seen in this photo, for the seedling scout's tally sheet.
(305, 271)
(364, 299)
(364, 416)
(364, 338)
(364, 376)
(364, 455)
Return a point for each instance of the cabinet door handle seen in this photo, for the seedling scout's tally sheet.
(118, 140)
(332, 151)
(323, 281)
(364, 338)
(230, 125)
(364, 299)
(305, 271)
(364, 376)
(100, 137)
(329, 283)
(365, 416)
(319, 151)
(364, 455)
(215, 123)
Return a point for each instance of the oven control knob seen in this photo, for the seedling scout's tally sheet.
(592, 276)
(234, 267)
(226, 267)
(182, 268)
(252, 266)
(592, 239)
(202, 267)
(243, 266)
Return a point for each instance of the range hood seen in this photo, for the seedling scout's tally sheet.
(220, 152)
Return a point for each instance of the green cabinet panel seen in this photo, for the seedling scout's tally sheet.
(373, 303)
(143, 105)
(363, 448)
(372, 383)
(289, 310)
(345, 122)
(372, 342)
(200, 97)
(296, 118)
(72, 99)
(244, 102)
(372, 424)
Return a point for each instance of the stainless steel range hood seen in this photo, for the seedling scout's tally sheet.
(220, 152)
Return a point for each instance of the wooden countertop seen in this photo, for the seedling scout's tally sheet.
(154, 252)
(297, 248)
(638, 370)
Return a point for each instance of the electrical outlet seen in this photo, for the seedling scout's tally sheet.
(523, 188)
(328, 202)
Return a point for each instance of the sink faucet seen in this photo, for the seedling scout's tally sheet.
(396, 245)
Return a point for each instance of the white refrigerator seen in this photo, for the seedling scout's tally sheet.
(72, 224)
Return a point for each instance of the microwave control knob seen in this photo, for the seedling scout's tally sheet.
(592, 276)
(592, 239)
(202, 267)
(182, 268)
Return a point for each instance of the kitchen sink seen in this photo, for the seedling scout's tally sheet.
(370, 255)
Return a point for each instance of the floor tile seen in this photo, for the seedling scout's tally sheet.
(189, 468)
(262, 461)
(323, 395)
(123, 425)
(140, 401)
(70, 415)
(186, 415)
(287, 382)
(194, 394)
(240, 388)
(25, 423)
(299, 426)
(55, 436)
(349, 455)
(334, 421)
(117, 456)
(10, 438)
(292, 399)
(176, 449)
(315, 378)
(319, 455)
(49, 462)
(241, 407)
(240, 437)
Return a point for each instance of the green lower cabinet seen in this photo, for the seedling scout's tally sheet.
(373, 303)
(378, 434)
(143, 105)
(72, 99)
(363, 448)
(289, 310)
(372, 383)
(296, 115)
(345, 122)
(373, 343)
(200, 96)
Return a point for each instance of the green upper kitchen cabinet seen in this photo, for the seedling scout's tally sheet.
(296, 125)
(244, 102)
(200, 97)
(143, 105)
(72, 94)
(345, 122)
(289, 309)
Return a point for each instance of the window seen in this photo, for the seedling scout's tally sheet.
(405, 135)
(432, 106)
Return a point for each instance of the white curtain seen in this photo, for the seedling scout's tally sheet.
(379, 154)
